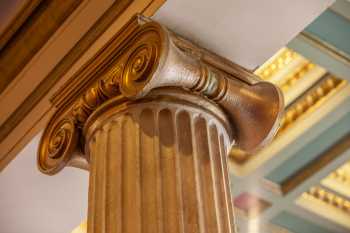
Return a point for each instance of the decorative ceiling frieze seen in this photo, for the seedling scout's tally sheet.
(304, 85)
(339, 180)
(327, 204)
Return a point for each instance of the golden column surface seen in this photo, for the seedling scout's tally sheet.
(153, 117)
(159, 165)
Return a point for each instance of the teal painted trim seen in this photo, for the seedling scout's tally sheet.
(310, 152)
(326, 41)
(321, 56)
(342, 7)
(333, 29)
(296, 224)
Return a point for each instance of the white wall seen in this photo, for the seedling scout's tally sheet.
(31, 202)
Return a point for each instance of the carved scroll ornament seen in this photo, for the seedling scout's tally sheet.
(145, 56)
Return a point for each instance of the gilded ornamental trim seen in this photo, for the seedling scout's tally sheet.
(327, 204)
(328, 198)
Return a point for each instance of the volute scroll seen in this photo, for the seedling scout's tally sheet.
(57, 145)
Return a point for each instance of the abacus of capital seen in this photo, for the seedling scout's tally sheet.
(153, 117)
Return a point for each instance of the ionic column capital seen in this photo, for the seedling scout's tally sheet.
(144, 56)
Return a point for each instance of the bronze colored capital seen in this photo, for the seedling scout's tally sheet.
(145, 56)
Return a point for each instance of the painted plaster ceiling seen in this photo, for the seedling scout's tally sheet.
(247, 32)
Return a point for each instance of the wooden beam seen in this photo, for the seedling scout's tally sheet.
(30, 116)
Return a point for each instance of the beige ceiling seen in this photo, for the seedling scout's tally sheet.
(247, 32)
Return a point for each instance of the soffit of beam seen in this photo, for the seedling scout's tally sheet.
(301, 167)
(13, 15)
(325, 41)
(45, 19)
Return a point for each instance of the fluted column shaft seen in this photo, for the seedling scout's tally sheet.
(159, 166)
(145, 117)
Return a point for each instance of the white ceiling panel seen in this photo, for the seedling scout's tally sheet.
(247, 32)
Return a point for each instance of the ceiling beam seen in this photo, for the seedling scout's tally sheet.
(326, 40)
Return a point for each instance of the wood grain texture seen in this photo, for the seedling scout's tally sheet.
(32, 35)
(18, 21)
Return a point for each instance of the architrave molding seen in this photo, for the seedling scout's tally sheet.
(25, 12)
(44, 21)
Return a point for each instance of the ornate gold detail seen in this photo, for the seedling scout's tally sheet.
(292, 79)
(309, 101)
(138, 68)
(57, 145)
(339, 180)
(278, 62)
(145, 56)
(95, 96)
(60, 139)
(328, 198)
(342, 174)
(294, 74)
(326, 204)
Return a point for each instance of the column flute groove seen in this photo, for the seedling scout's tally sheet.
(196, 153)
(179, 169)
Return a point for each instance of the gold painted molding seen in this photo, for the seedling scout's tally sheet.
(329, 198)
(326, 204)
(145, 56)
(290, 71)
(276, 63)
(339, 180)
(312, 99)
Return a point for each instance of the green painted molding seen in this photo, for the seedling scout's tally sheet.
(310, 152)
(321, 55)
(332, 29)
(326, 41)
(342, 7)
